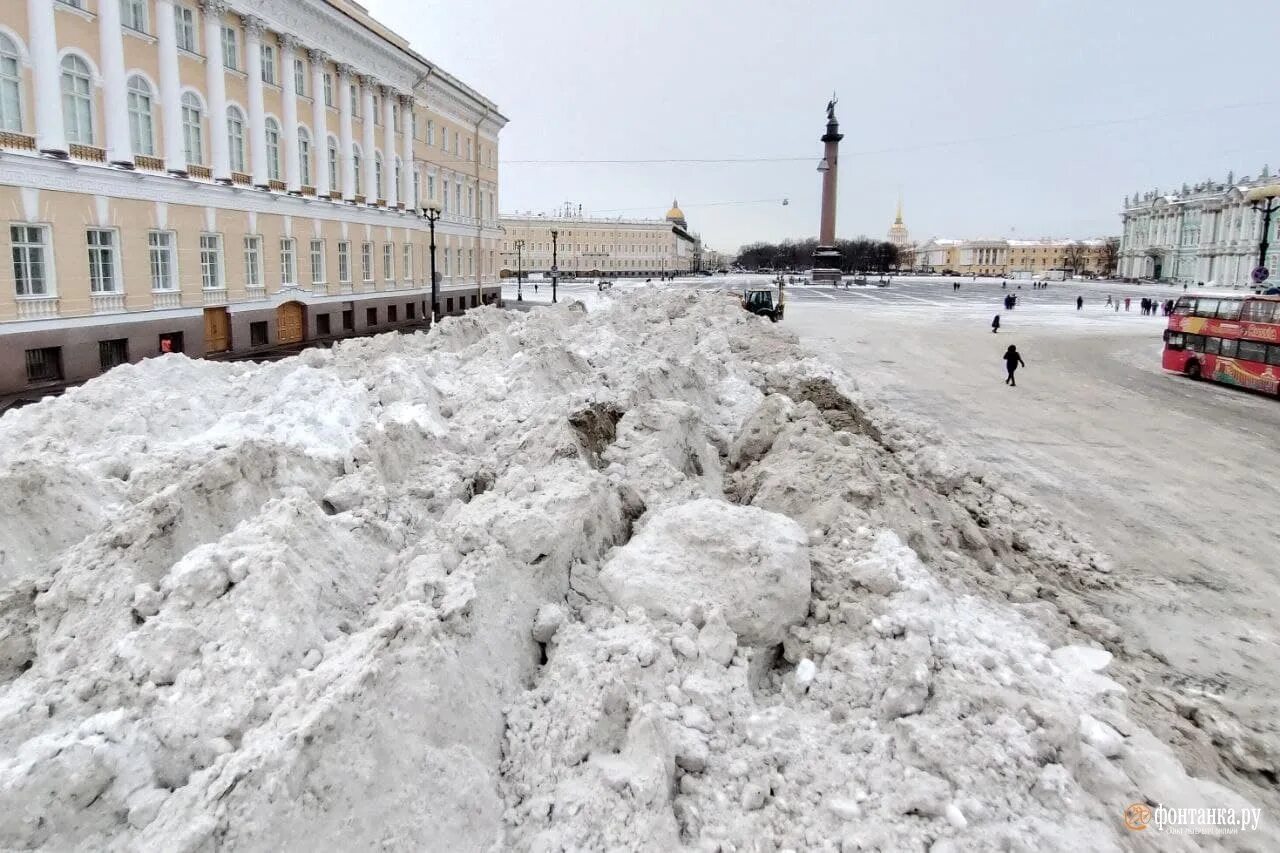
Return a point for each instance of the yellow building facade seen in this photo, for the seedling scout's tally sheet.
(1013, 258)
(225, 177)
(599, 247)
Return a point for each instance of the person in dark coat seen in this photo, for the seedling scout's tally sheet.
(1012, 361)
(995, 324)
(1079, 302)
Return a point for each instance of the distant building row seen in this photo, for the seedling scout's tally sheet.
(1207, 233)
(597, 247)
(1014, 258)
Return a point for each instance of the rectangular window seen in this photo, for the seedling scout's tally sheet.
(29, 271)
(300, 77)
(252, 261)
(355, 102)
(344, 262)
(161, 250)
(448, 306)
(211, 262)
(322, 325)
(431, 187)
(408, 262)
(112, 353)
(328, 89)
(133, 14)
(366, 261)
(377, 109)
(388, 262)
(431, 131)
(269, 64)
(288, 262)
(1229, 309)
(170, 342)
(410, 311)
(1227, 349)
(102, 260)
(230, 54)
(44, 364)
(1212, 346)
(371, 316)
(392, 316)
(1251, 351)
(469, 151)
(1273, 354)
(349, 320)
(258, 333)
(456, 147)
(317, 261)
(185, 20)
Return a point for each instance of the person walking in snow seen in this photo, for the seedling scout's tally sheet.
(1108, 298)
(1079, 302)
(1126, 303)
(1012, 361)
(995, 325)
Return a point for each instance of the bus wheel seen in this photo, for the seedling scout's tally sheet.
(1193, 370)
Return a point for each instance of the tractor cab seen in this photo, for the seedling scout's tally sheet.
(760, 301)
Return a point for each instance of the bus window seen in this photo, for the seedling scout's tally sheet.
(1273, 354)
(1252, 351)
(1229, 309)
(1195, 343)
(1184, 306)
(1258, 311)
(1228, 348)
(1174, 340)
(1205, 307)
(1211, 345)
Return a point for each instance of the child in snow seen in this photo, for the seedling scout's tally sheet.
(1012, 360)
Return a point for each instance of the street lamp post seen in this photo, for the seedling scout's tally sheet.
(432, 212)
(519, 271)
(555, 270)
(1265, 200)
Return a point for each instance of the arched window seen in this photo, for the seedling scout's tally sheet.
(192, 124)
(356, 157)
(77, 100)
(304, 156)
(333, 164)
(273, 149)
(141, 128)
(377, 176)
(10, 85)
(235, 138)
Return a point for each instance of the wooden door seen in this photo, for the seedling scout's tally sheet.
(289, 328)
(217, 330)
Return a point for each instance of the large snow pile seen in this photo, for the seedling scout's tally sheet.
(642, 578)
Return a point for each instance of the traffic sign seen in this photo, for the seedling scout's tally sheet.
(1260, 275)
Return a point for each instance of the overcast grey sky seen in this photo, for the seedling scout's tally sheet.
(1187, 90)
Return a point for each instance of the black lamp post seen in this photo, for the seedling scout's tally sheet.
(1265, 200)
(432, 212)
(555, 270)
(519, 271)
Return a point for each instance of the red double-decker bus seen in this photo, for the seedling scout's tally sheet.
(1229, 339)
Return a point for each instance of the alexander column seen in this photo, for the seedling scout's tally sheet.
(826, 257)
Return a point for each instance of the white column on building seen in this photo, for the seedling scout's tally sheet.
(253, 30)
(216, 89)
(175, 155)
(319, 123)
(345, 79)
(289, 115)
(391, 191)
(407, 179)
(115, 106)
(367, 142)
(51, 134)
